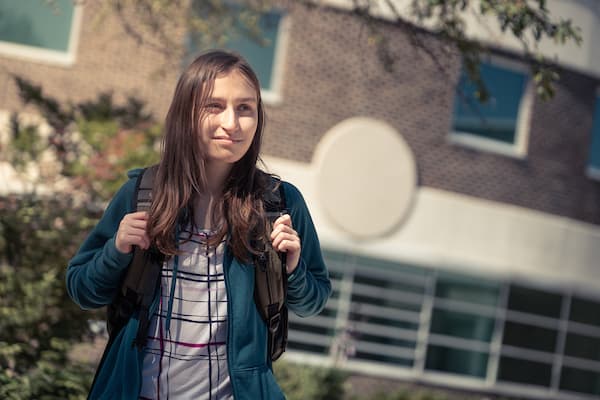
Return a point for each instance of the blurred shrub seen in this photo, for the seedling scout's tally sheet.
(420, 393)
(38, 322)
(414, 394)
(94, 143)
(300, 382)
(91, 146)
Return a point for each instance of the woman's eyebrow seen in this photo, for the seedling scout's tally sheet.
(238, 100)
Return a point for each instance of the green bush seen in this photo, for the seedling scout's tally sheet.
(412, 392)
(94, 143)
(38, 322)
(300, 382)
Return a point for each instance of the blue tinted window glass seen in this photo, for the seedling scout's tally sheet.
(524, 371)
(497, 118)
(37, 23)
(260, 52)
(530, 337)
(261, 56)
(595, 147)
(457, 361)
(535, 301)
(579, 380)
(585, 311)
(462, 325)
(467, 289)
(582, 346)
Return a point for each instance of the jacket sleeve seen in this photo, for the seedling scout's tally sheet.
(309, 286)
(94, 274)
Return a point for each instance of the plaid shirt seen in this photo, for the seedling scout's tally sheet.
(190, 360)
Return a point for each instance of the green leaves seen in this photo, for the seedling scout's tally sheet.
(530, 22)
(301, 382)
(25, 145)
(38, 322)
(95, 142)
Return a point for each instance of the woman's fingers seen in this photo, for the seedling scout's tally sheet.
(283, 224)
(281, 237)
(285, 219)
(285, 239)
(132, 232)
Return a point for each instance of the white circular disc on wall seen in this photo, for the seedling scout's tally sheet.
(366, 177)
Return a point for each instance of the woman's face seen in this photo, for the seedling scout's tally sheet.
(230, 118)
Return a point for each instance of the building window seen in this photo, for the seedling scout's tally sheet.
(581, 361)
(383, 322)
(530, 336)
(441, 327)
(462, 325)
(524, 371)
(265, 54)
(315, 335)
(501, 123)
(462, 362)
(594, 157)
(39, 30)
(581, 381)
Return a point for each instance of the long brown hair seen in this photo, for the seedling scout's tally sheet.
(181, 174)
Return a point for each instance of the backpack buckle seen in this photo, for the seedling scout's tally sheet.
(274, 322)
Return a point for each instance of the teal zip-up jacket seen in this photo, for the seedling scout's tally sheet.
(94, 274)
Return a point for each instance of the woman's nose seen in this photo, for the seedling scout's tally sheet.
(229, 119)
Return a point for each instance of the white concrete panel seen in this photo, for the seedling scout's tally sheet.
(451, 231)
(366, 177)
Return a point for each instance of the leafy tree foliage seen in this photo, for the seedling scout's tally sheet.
(38, 322)
(92, 145)
(530, 22)
(212, 22)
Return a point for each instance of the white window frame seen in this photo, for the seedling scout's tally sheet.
(54, 57)
(518, 149)
(347, 268)
(273, 95)
(590, 171)
(593, 173)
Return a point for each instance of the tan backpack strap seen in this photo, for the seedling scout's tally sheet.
(270, 285)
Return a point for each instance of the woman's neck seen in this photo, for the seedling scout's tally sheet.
(207, 212)
(216, 174)
(207, 207)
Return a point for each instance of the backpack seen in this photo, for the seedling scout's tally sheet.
(141, 280)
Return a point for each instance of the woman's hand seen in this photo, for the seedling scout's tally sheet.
(286, 239)
(132, 232)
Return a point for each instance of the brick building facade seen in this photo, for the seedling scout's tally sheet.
(489, 272)
(332, 72)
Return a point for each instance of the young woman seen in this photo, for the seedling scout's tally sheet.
(206, 338)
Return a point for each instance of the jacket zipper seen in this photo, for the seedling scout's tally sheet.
(227, 259)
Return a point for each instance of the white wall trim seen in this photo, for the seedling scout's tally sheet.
(460, 233)
(593, 173)
(273, 95)
(54, 57)
(518, 149)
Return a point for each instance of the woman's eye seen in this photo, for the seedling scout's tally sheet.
(245, 107)
(213, 107)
